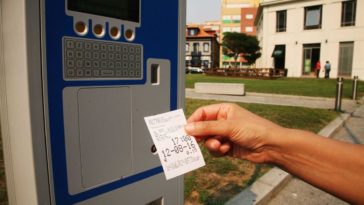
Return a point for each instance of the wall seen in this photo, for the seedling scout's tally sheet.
(329, 36)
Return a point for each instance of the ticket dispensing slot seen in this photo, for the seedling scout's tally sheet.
(155, 74)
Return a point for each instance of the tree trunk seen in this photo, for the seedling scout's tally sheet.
(235, 60)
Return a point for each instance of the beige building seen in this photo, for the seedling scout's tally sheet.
(231, 22)
(296, 34)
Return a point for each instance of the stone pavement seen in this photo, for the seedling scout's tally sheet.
(273, 99)
(299, 192)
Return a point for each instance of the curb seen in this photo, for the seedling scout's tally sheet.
(283, 96)
(267, 186)
(272, 99)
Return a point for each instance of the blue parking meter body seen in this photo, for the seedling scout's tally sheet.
(79, 78)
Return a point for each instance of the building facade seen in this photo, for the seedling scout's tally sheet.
(202, 46)
(296, 34)
(247, 21)
(231, 21)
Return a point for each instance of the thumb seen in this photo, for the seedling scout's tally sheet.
(210, 128)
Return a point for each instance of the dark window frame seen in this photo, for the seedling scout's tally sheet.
(196, 47)
(344, 9)
(279, 27)
(319, 26)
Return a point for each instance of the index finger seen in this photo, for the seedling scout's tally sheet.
(208, 113)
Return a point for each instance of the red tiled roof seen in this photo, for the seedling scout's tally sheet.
(201, 32)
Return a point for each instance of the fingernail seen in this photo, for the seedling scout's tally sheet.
(189, 127)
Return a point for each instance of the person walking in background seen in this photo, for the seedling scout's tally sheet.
(318, 68)
(327, 70)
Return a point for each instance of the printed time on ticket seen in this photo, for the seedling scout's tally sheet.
(178, 152)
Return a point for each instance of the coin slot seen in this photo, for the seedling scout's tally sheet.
(81, 28)
(99, 30)
(155, 74)
(129, 35)
(115, 32)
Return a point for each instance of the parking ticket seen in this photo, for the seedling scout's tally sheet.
(178, 152)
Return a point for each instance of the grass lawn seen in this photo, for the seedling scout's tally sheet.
(223, 178)
(289, 86)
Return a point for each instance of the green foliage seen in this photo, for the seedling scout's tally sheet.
(190, 184)
(235, 44)
(204, 196)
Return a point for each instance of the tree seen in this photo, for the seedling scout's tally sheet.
(236, 44)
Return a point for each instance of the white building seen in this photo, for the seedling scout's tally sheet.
(295, 34)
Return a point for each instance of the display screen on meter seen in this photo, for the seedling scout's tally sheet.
(127, 10)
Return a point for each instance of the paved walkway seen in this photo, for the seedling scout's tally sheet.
(272, 99)
(298, 192)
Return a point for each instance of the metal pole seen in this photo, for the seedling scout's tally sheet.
(339, 93)
(355, 87)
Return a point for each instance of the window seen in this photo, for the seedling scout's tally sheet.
(196, 47)
(206, 47)
(281, 21)
(346, 53)
(226, 19)
(192, 32)
(348, 13)
(236, 29)
(249, 16)
(236, 19)
(248, 29)
(226, 29)
(313, 17)
(187, 47)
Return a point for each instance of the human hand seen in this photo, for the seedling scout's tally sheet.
(231, 130)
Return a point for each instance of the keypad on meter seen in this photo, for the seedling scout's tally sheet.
(95, 59)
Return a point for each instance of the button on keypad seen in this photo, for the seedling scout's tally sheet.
(96, 59)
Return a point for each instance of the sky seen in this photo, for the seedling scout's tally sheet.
(199, 11)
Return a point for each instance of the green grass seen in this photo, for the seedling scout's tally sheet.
(210, 185)
(288, 86)
(287, 116)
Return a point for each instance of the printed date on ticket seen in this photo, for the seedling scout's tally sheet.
(178, 152)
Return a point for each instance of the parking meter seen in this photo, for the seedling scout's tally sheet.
(77, 79)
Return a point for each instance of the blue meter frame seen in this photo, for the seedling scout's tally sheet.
(106, 65)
